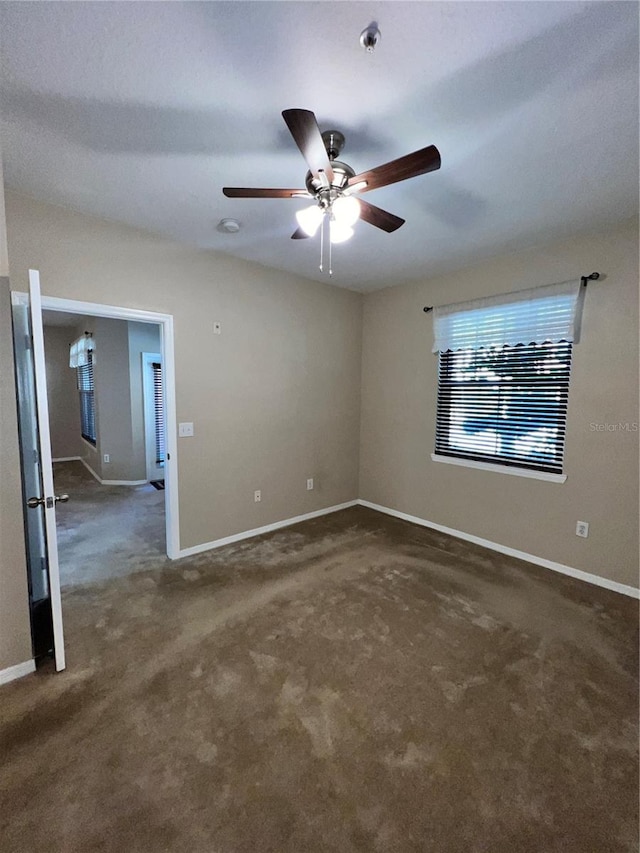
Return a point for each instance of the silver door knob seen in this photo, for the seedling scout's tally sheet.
(33, 503)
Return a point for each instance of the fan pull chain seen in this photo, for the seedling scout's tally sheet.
(321, 244)
(330, 244)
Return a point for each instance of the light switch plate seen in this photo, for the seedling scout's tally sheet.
(185, 430)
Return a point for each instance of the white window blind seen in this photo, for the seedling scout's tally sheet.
(541, 314)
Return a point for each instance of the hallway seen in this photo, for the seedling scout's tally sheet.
(106, 531)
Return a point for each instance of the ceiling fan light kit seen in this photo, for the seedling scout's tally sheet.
(339, 232)
(346, 209)
(309, 219)
(332, 184)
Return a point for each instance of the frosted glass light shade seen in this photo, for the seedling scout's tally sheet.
(309, 219)
(346, 210)
(339, 232)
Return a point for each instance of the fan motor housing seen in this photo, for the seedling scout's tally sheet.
(342, 173)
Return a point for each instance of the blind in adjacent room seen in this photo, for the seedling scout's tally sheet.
(158, 412)
(84, 375)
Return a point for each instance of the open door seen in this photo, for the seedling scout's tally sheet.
(37, 474)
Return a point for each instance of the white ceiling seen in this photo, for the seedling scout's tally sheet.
(141, 112)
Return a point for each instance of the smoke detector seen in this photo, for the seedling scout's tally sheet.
(228, 226)
(370, 37)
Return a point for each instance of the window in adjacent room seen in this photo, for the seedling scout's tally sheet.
(81, 358)
(87, 400)
(503, 381)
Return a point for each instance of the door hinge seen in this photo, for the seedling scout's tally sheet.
(27, 342)
(36, 457)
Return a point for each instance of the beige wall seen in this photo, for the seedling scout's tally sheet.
(275, 398)
(62, 393)
(398, 413)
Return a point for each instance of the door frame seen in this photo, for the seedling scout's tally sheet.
(165, 321)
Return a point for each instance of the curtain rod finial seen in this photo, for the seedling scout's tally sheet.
(427, 308)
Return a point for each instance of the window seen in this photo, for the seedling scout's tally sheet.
(505, 405)
(503, 380)
(158, 411)
(84, 375)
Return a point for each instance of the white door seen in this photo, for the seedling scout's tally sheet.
(37, 469)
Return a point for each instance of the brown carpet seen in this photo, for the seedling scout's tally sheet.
(353, 683)
(106, 531)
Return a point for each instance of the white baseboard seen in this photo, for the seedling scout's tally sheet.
(110, 482)
(67, 459)
(124, 482)
(257, 531)
(597, 580)
(17, 671)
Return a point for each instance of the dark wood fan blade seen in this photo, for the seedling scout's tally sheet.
(304, 128)
(299, 234)
(250, 192)
(410, 166)
(380, 218)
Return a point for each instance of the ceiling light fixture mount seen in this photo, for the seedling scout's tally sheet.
(228, 226)
(370, 37)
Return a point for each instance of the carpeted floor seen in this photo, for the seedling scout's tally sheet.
(353, 683)
(106, 531)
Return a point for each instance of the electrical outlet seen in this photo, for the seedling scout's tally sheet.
(107, 457)
(257, 496)
(310, 484)
(582, 529)
(217, 328)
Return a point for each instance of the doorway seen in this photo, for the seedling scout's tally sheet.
(44, 575)
(166, 352)
(105, 446)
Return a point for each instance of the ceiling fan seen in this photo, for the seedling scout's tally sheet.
(333, 184)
